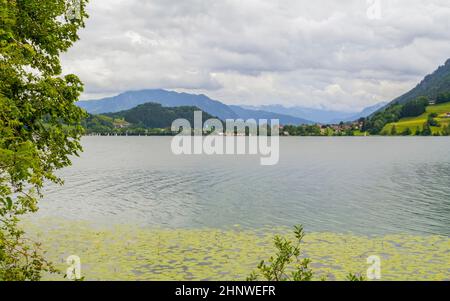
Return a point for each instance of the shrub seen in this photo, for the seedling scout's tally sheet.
(394, 130)
(407, 132)
(432, 121)
(288, 264)
(418, 131)
(426, 130)
(446, 130)
(288, 253)
(21, 260)
(352, 277)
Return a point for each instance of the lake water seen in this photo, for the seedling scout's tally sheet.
(370, 185)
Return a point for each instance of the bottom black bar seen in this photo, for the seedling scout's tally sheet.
(224, 290)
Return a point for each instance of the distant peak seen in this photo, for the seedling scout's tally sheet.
(144, 90)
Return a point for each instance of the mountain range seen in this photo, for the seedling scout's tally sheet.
(322, 116)
(131, 99)
(287, 116)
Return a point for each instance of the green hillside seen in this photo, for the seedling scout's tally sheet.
(153, 115)
(146, 119)
(413, 123)
(431, 86)
(408, 113)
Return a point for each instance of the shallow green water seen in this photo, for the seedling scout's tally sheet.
(134, 253)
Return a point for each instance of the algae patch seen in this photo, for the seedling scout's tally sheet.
(133, 253)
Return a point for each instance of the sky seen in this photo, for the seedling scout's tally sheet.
(334, 54)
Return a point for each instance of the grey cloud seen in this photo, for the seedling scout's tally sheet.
(323, 53)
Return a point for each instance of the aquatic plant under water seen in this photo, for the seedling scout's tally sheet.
(132, 253)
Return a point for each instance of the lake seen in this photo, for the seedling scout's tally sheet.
(360, 185)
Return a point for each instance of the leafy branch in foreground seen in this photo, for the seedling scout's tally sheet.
(288, 252)
(40, 125)
(288, 264)
(355, 278)
(20, 259)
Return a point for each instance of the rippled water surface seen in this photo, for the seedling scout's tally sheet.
(359, 185)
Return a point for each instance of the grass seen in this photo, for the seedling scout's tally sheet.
(358, 133)
(417, 122)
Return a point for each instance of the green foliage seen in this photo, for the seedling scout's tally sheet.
(407, 132)
(394, 130)
(302, 130)
(376, 123)
(426, 130)
(418, 131)
(431, 120)
(435, 86)
(288, 264)
(40, 126)
(446, 130)
(288, 253)
(415, 108)
(435, 116)
(317, 130)
(20, 260)
(98, 124)
(355, 278)
(146, 119)
(153, 115)
(443, 98)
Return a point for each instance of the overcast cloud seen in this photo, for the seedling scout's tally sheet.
(325, 53)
